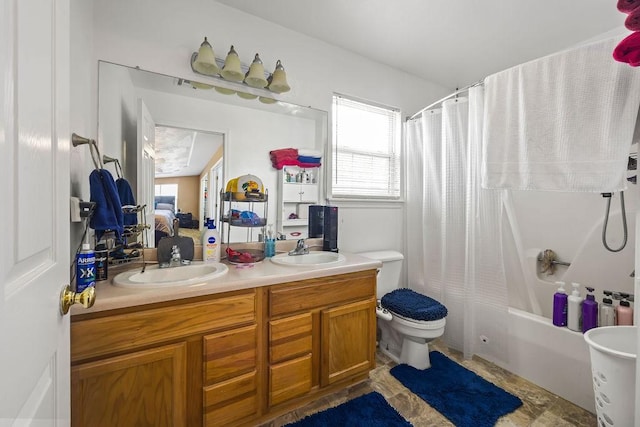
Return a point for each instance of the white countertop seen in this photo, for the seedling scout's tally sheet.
(264, 273)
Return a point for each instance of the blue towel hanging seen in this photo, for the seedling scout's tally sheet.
(108, 212)
(126, 198)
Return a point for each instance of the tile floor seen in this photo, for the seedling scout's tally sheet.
(540, 407)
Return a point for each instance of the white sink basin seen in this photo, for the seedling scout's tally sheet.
(155, 277)
(312, 259)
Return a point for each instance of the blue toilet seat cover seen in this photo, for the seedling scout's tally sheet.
(408, 303)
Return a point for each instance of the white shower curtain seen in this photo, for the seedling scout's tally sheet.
(456, 257)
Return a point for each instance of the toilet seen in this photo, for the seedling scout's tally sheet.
(407, 320)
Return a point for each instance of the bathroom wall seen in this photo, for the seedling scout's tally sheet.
(571, 225)
(160, 36)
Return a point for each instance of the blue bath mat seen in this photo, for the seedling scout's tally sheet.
(463, 397)
(369, 410)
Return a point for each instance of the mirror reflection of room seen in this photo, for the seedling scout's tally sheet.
(186, 161)
(157, 123)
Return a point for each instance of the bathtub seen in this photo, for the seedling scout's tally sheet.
(556, 359)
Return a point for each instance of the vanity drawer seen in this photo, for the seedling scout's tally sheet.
(230, 353)
(325, 291)
(122, 332)
(290, 337)
(289, 380)
(231, 400)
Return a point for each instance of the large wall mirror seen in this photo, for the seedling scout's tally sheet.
(180, 141)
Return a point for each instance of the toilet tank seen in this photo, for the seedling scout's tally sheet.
(389, 274)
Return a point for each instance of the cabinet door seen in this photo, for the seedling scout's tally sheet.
(308, 193)
(291, 192)
(347, 341)
(145, 388)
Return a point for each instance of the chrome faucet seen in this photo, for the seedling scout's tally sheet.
(301, 248)
(176, 259)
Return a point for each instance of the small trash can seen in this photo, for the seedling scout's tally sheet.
(613, 370)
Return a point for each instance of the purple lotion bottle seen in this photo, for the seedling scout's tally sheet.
(560, 306)
(589, 311)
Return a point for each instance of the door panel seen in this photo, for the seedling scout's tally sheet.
(348, 341)
(34, 190)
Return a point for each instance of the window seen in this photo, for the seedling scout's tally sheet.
(366, 150)
(168, 190)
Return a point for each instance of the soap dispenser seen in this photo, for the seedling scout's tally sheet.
(589, 311)
(607, 311)
(560, 306)
(574, 309)
(624, 313)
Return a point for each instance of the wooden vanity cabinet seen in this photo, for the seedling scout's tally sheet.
(193, 362)
(230, 359)
(321, 333)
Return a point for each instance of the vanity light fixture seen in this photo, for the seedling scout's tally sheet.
(231, 69)
(245, 95)
(255, 76)
(205, 61)
(235, 72)
(224, 90)
(198, 85)
(278, 80)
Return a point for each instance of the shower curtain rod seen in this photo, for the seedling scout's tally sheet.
(464, 89)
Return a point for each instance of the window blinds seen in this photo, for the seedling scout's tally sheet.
(366, 150)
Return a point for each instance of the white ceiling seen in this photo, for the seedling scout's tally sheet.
(452, 43)
(183, 152)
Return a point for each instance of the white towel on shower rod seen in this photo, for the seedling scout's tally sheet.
(564, 122)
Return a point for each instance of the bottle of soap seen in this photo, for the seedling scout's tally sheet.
(560, 306)
(211, 243)
(589, 311)
(624, 313)
(574, 309)
(607, 312)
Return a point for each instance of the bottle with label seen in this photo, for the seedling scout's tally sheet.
(560, 300)
(102, 262)
(607, 312)
(624, 313)
(589, 311)
(574, 309)
(211, 243)
(85, 268)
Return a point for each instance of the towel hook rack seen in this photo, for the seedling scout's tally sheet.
(93, 148)
(106, 159)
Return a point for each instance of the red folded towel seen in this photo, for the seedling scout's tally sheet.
(289, 162)
(282, 157)
(628, 50)
(286, 151)
(633, 20)
(627, 6)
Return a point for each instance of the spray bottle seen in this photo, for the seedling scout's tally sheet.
(589, 311)
(560, 306)
(85, 268)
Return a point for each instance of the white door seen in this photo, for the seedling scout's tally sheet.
(216, 187)
(34, 206)
(146, 167)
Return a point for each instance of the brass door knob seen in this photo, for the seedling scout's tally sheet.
(69, 297)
